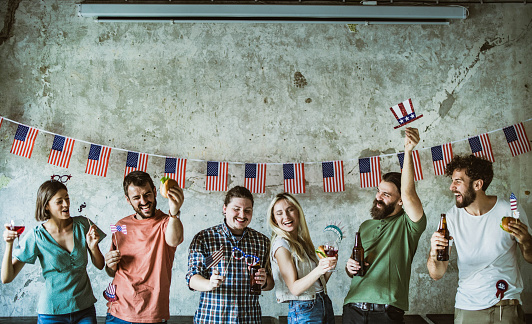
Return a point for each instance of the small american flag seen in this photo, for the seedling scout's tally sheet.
(404, 113)
(517, 139)
(370, 171)
(333, 176)
(136, 161)
(481, 147)
(119, 228)
(175, 168)
(98, 160)
(513, 202)
(61, 151)
(441, 156)
(255, 177)
(215, 258)
(110, 293)
(216, 176)
(24, 141)
(294, 177)
(418, 173)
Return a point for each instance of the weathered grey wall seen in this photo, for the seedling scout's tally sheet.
(230, 92)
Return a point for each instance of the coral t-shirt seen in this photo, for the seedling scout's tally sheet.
(144, 273)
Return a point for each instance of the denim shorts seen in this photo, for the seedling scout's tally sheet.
(86, 316)
(315, 311)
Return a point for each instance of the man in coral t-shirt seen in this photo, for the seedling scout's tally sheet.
(142, 253)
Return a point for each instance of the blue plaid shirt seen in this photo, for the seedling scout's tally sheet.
(231, 302)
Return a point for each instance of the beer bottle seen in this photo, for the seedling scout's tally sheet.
(443, 254)
(255, 288)
(358, 255)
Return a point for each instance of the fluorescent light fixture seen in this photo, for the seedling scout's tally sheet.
(258, 13)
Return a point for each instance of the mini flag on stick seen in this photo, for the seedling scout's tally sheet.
(404, 113)
(61, 151)
(513, 202)
(294, 177)
(98, 160)
(255, 177)
(119, 228)
(24, 141)
(517, 139)
(215, 258)
(175, 168)
(481, 147)
(370, 171)
(136, 161)
(110, 293)
(418, 173)
(333, 176)
(216, 176)
(441, 156)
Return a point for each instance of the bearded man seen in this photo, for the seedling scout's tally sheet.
(489, 280)
(142, 253)
(390, 241)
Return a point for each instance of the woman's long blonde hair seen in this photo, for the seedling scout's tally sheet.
(302, 245)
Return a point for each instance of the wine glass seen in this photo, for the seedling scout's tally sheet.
(18, 226)
(331, 250)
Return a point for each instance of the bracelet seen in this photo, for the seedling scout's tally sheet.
(175, 216)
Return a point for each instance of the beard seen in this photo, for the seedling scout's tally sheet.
(468, 197)
(142, 214)
(384, 211)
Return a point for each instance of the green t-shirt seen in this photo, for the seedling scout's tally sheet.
(67, 285)
(389, 247)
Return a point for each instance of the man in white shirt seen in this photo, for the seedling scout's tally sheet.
(489, 283)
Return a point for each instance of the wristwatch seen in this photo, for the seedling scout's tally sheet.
(175, 216)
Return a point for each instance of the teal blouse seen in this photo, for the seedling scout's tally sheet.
(67, 285)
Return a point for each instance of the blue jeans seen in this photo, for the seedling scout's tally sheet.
(86, 316)
(317, 311)
(115, 320)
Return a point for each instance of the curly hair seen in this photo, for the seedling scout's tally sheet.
(238, 192)
(475, 168)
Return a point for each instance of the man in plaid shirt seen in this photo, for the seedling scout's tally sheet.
(225, 286)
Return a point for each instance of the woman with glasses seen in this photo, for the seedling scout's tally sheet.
(61, 244)
(300, 278)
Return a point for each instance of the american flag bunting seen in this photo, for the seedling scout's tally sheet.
(24, 141)
(370, 171)
(61, 151)
(441, 156)
(255, 177)
(333, 176)
(215, 258)
(119, 228)
(98, 160)
(175, 168)
(136, 161)
(216, 176)
(517, 139)
(418, 173)
(481, 147)
(294, 177)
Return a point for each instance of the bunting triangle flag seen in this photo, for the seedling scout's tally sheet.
(216, 176)
(517, 139)
(24, 141)
(61, 151)
(441, 156)
(175, 168)
(255, 177)
(136, 161)
(294, 177)
(418, 173)
(370, 171)
(98, 160)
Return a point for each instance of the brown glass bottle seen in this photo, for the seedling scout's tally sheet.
(443, 254)
(255, 288)
(358, 255)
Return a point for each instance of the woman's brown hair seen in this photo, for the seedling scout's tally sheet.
(46, 192)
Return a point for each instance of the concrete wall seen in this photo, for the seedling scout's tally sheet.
(235, 92)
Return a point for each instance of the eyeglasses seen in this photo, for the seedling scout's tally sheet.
(250, 259)
(61, 178)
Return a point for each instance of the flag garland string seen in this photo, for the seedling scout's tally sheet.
(372, 164)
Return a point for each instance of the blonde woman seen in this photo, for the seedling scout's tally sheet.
(300, 278)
